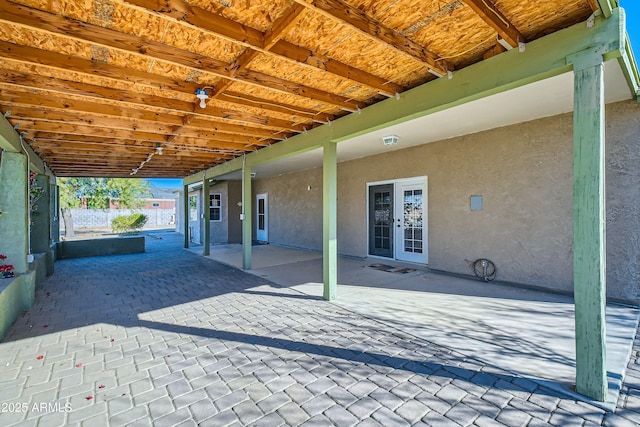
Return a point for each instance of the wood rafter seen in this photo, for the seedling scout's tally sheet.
(29, 81)
(251, 38)
(33, 18)
(346, 14)
(100, 91)
(32, 55)
(289, 18)
(490, 14)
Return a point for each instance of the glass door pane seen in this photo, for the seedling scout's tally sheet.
(381, 220)
(412, 221)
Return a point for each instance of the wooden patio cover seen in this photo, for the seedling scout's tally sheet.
(108, 87)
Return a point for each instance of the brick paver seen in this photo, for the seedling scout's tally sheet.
(172, 338)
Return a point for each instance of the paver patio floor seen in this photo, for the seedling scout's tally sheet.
(530, 332)
(172, 338)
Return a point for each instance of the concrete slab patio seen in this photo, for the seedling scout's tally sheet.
(168, 338)
(528, 332)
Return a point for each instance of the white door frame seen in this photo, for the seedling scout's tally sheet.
(262, 235)
(400, 253)
(398, 232)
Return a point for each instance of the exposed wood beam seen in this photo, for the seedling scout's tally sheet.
(32, 18)
(93, 149)
(24, 116)
(28, 99)
(490, 14)
(546, 57)
(89, 119)
(30, 81)
(340, 11)
(251, 101)
(234, 32)
(91, 130)
(290, 17)
(77, 130)
(184, 142)
(23, 102)
(30, 56)
(131, 162)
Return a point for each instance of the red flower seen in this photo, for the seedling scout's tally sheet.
(40, 357)
(6, 268)
(3, 257)
(102, 386)
(89, 397)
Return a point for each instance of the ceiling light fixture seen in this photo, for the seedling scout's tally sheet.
(159, 149)
(390, 140)
(202, 96)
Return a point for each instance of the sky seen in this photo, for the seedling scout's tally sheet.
(165, 183)
(631, 7)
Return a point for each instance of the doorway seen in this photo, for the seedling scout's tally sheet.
(397, 219)
(262, 218)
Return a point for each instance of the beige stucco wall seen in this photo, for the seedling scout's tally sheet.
(523, 172)
(229, 229)
(294, 211)
(623, 200)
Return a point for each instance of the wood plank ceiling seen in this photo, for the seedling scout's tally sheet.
(107, 87)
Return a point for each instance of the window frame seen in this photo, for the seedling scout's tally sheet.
(212, 196)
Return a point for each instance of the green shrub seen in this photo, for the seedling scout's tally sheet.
(128, 223)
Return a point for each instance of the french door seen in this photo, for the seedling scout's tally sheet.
(262, 218)
(398, 220)
(381, 211)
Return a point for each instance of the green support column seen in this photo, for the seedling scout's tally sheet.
(329, 220)
(589, 225)
(54, 206)
(247, 221)
(14, 205)
(206, 216)
(41, 217)
(185, 215)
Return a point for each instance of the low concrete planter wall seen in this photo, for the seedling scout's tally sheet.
(16, 295)
(100, 247)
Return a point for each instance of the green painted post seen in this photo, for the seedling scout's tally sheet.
(247, 221)
(206, 216)
(185, 215)
(54, 204)
(329, 221)
(14, 205)
(589, 225)
(41, 218)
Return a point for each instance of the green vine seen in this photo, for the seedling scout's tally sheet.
(35, 192)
